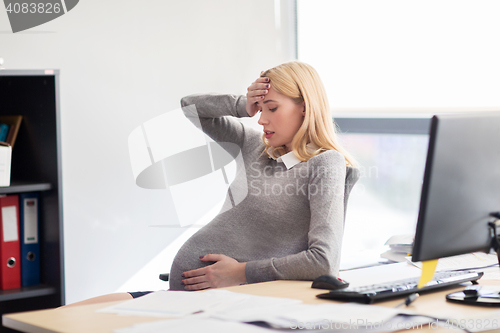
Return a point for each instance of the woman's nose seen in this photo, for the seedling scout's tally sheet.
(262, 120)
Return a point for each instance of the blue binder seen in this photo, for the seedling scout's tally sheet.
(4, 130)
(30, 245)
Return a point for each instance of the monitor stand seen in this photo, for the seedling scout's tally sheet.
(475, 294)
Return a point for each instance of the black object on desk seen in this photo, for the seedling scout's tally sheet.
(329, 282)
(476, 295)
(394, 289)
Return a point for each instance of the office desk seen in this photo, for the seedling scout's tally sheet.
(85, 319)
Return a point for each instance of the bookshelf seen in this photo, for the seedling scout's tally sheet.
(36, 167)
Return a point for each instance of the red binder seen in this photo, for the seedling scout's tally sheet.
(10, 246)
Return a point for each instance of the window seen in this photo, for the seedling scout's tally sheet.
(403, 54)
(393, 56)
(385, 200)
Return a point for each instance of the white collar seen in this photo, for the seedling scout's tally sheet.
(290, 159)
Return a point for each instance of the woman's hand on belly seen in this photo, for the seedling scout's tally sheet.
(224, 272)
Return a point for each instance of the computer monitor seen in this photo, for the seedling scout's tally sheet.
(461, 187)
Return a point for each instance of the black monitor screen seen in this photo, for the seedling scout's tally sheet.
(461, 186)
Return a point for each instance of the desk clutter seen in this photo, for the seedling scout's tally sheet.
(222, 310)
(400, 247)
(19, 241)
(227, 311)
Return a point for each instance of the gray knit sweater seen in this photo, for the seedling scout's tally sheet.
(289, 224)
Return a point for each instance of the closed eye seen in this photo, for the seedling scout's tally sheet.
(274, 109)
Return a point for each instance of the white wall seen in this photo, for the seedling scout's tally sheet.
(124, 62)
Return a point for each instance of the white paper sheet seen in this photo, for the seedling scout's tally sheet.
(190, 324)
(464, 261)
(491, 273)
(182, 303)
(312, 315)
(325, 317)
(214, 309)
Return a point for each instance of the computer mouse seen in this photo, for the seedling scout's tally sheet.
(329, 282)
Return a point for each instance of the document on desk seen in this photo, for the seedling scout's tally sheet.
(181, 303)
(491, 273)
(350, 315)
(215, 309)
(199, 324)
(476, 260)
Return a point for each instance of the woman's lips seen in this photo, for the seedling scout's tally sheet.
(268, 134)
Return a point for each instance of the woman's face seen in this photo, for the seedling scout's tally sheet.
(281, 118)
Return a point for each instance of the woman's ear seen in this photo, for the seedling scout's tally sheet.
(303, 108)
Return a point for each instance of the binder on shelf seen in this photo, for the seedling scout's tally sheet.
(30, 246)
(14, 123)
(4, 130)
(10, 251)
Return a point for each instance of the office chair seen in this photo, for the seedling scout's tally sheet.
(351, 177)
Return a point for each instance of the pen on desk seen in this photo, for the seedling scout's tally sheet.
(410, 299)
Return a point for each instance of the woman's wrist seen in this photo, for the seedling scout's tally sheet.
(242, 275)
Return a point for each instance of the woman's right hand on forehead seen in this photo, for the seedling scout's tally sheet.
(255, 93)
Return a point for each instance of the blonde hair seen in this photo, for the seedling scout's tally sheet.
(300, 82)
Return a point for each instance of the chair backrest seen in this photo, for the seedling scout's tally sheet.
(351, 177)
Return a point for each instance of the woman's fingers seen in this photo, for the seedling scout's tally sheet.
(258, 87)
(196, 283)
(254, 98)
(195, 280)
(198, 286)
(194, 272)
(256, 92)
(213, 257)
(225, 271)
(259, 84)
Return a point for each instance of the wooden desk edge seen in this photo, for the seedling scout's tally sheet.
(22, 326)
(71, 319)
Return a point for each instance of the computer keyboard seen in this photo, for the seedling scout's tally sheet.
(387, 290)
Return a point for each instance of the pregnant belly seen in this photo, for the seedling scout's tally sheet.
(188, 258)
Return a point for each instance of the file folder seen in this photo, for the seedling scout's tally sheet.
(30, 245)
(10, 265)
